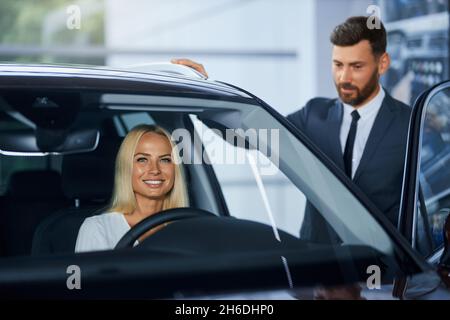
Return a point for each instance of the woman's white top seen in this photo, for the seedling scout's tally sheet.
(101, 232)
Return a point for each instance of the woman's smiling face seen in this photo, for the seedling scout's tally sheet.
(153, 168)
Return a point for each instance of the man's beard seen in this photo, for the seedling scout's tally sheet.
(361, 95)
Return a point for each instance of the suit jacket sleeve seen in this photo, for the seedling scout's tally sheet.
(299, 118)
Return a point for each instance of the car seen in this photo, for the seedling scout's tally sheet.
(250, 174)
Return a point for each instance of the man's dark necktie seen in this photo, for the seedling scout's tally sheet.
(348, 153)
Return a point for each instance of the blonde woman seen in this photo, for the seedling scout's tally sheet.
(147, 180)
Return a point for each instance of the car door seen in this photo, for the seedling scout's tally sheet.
(426, 191)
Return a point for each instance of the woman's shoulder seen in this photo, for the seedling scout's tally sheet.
(106, 216)
(104, 220)
(100, 232)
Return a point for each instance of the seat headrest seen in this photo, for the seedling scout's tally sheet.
(90, 176)
(35, 184)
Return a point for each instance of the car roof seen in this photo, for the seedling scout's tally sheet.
(46, 76)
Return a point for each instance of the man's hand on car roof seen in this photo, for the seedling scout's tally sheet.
(192, 64)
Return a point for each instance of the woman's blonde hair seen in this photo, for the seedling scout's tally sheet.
(123, 198)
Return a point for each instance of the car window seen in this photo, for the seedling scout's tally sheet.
(249, 195)
(276, 180)
(271, 181)
(130, 120)
(434, 200)
(256, 187)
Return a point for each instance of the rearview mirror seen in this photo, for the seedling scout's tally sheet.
(48, 142)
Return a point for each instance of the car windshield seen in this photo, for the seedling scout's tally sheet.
(240, 164)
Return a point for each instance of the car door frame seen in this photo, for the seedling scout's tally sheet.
(410, 189)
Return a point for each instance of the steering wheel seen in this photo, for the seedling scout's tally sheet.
(157, 219)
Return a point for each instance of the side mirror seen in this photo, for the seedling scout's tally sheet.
(444, 263)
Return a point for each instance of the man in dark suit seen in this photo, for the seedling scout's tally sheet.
(364, 131)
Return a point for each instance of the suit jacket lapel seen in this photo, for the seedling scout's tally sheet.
(381, 125)
(334, 121)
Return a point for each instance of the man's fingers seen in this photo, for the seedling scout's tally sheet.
(192, 64)
(189, 63)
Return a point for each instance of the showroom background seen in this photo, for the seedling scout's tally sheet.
(276, 49)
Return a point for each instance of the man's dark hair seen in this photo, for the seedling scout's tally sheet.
(356, 29)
